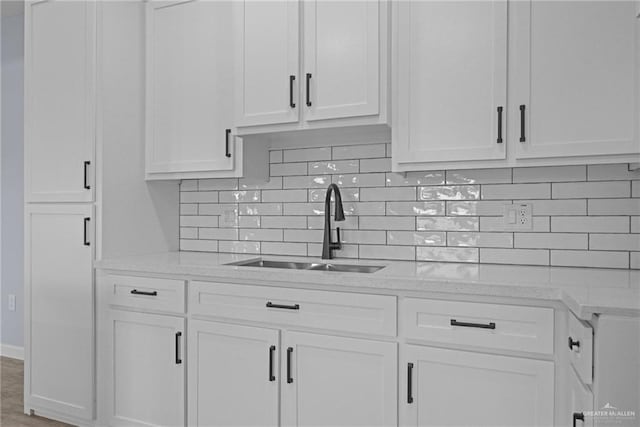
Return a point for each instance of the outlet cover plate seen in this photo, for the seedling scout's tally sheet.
(518, 216)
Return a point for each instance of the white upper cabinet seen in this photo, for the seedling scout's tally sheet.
(576, 78)
(341, 58)
(59, 100)
(450, 81)
(266, 62)
(189, 105)
(310, 64)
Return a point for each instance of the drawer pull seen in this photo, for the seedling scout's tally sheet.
(522, 136)
(150, 294)
(573, 343)
(292, 79)
(289, 378)
(87, 186)
(308, 89)
(284, 306)
(409, 382)
(577, 416)
(272, 350)
(499, 140)
(178, 358)
(491, 325)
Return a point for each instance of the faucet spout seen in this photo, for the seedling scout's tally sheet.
(329, 246)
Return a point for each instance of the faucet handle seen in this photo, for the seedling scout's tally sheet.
(339, 241)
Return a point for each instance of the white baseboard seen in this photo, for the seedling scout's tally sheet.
(12, 351)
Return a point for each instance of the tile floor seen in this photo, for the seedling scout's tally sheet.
(11, 398)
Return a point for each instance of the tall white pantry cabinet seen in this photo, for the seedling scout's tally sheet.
(84, 162)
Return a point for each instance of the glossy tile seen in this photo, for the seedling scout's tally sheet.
(417, 238)
(447, 224)
(451, 192)
(514, 256)
(218, 184)
(307, 154)
(550, 174)
(359, 151)
(359, 180)
(414, 178)
(240, 196)
(426, 253)
(591, 190)
(480, 240)
(479, 176)
(551, 240)
(284, 195)
(387, 223)
(334, 167)
(388, 194)
(287, 169)
(415, 208)
(602, 259)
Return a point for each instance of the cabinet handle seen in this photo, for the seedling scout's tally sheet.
(491, 325)
(289, 378)
(151, 294)
(272, 350)
(86, 238)
(286, 307)
(291, 80)
(499, 141)
(227, 133)
(577, 416)
(308, 90)
(87, 186)
(178, 359)
(409, 382)
(522, 138)
(573, 343)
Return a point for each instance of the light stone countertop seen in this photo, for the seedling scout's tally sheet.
(585, 291)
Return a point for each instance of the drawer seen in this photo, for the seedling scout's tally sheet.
(580, 348)
(503, 327)
(339, 311)
(147, 293)
(580, 401)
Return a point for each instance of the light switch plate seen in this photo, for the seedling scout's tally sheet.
(517, 216)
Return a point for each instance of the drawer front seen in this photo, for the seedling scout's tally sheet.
(147, 293)
(580, 348)
(340, 311)
(580, 402)
(504, 327)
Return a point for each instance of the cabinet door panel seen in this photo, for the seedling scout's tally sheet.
(580, 400)
(229, 375)
(146, 380)
(59, 100)
(266, 57)
(338, 381)
(458, 388)
(450, 79)
(59, 292)
(189, 86)
(342, 55)
(577, 71)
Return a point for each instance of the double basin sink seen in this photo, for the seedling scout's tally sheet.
(313, 266)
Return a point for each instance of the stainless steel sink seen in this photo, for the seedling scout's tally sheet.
(345, 268)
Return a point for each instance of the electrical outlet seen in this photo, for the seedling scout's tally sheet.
(12, 302)
(518, 216)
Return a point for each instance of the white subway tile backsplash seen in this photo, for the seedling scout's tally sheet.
(417, 238)
(387, 223)
(479, 176)
(359, 151)
(516, 191)
(388, 193)
(307, 154)
(550, 174)
(359, 180)
(415, 208)
(590, 224)
(426, 253)
(407, 253)
(591, 190)
(582, 215)
(415, 178)
(451, 192)
(334, 167)
(551, 240)
(602, 259)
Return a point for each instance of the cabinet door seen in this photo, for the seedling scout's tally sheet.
(576, 77)
(59, 309)
(233, 375)
(267, 81)
(458, 388)
(341, 58)
(580, 401)
(333, 381)
(146, 381)
(189, 86)
(450, 80)
(59, 100)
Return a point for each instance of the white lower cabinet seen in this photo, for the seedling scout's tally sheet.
(146, 380)
(334, 381)
(233, 375)
(459, 388)
(580, 401)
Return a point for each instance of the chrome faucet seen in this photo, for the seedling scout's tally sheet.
(327, 245)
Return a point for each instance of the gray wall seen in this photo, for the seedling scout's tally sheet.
(12, 178)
